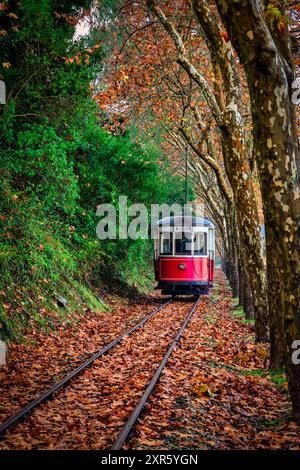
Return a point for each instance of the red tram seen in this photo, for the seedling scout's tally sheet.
(184, 255)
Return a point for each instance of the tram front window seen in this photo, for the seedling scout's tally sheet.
(200, 244)
(183, 244)
(166, 245)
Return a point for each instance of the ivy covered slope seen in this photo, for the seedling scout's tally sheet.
(58, 165)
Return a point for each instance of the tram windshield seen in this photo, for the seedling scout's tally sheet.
(200, 244)
(183, 244)
(166, 245)
(187, 244)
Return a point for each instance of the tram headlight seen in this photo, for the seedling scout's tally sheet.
(182, 266)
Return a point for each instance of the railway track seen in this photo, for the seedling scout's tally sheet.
(129, 425)
(24, 412)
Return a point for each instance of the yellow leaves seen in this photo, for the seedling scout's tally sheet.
(6, 65)
(122, 75)
(3, 32)
(12, 16)
(276, 17)
(281, 26)
(202, 390)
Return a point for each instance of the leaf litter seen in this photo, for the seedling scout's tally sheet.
(216, 391)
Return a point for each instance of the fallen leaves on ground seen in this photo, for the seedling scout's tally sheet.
(215, 392)
(46, 357)
(89, 413)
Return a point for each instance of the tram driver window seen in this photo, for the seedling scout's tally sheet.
(183, 244)
(200, 244)
(166, 244)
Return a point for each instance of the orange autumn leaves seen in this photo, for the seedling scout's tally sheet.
(82, 57)
(215, 393)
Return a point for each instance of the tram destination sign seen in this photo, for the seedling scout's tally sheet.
(181, 228)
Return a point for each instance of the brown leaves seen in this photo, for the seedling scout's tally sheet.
(214, 393)
(216, 402)
(72, 20)
(103, 397)
(151, 443)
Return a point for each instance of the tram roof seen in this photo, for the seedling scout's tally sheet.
(183, 221)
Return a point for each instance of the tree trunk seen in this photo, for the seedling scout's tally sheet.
(236, 161)
(245, 298)
(233, 274)
(235, 157)
(234, 271)
(241, 284)
(270, 79)
(248, 300)
(239, 175)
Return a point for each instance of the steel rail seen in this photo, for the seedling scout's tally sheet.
(24, 412)
(126, 430)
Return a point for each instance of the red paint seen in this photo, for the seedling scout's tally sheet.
(211, 270)
(197, 269)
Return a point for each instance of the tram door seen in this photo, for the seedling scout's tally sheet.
(211, 255)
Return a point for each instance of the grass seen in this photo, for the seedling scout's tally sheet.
(248, 321)
(238, 312)
(209, 319)
(278, 377)
(36, 304)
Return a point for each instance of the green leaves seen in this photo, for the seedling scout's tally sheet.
(58, 165)
(276, 18)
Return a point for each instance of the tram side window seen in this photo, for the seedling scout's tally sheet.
(200, 244)
(183, 244)
(166, 244)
